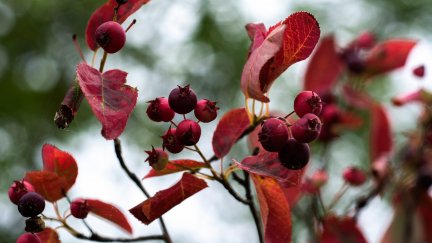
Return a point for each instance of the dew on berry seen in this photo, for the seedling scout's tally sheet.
(273, 134)
(110, 36)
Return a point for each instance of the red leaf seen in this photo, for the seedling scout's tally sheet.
(388, 55)
(275, 210)
(111, 100)
(61, 163)
(48, 235)
(257, 33)
(175, 166)
(381, 142)
(324, 67)
(110, 213)
(48, 184)
(268, 164)
(165, 200)
(341, 230)
(356, 98)
(228, 131)
(106, 13)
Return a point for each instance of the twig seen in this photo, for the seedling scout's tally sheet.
(98, 238)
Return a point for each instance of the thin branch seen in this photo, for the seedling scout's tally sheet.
(98, 238)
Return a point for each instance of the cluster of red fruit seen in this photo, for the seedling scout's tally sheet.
(291, 140)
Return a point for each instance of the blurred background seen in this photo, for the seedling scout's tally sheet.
(202, 43)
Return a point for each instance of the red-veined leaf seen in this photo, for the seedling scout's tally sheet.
(165, 200)
(110, 99)
(275, 210)
(110, 213)
(175, 166)
(106, 13)
(381, 141)
(341, 230)
(48, 235)
(228, 131)
(48, 184)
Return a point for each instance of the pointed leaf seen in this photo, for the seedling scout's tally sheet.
(275, 210)
(110, 99)
(229, 129)
(48, 184)
(175, 166)
(49, 235)
(341, 230)
(110, 213)
(165, 200)
(381, 142)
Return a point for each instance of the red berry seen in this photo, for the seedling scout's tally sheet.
(355, 63)
(206, 110)
(319, 178)
(307, 102)
(307, 128)
(354, 176)
(79, 208)
(419, 71)
(31, 204)
(182, 100)
(157, 158)
(188, 132)
(170, 141)
(110, 36)
(365, 40)
(28, 238)
(159, 110)
(273, 134)
(294, 155)
(19, 189)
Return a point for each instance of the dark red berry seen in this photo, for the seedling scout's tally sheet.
(206, 110)
(419, 71)
(110, 36)
(307, 102)
(31, 204)
(365, 40)
(79, 208)
(355, 63)
(273, 134)
(170, 141)
(182, 99)
(307, 128)
(19, 189)
(157, 158)
(354, 176)
(28, 238)
(188, 132)
(294, 155)
(159, 110)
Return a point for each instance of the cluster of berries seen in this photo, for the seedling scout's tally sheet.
(181, 100)
(291, 140)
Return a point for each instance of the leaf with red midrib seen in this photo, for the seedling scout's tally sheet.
(48, 235)
(381, 142)
(175, 166)
(110, 213)
(48, 184)
(110, 99)
(165, 200)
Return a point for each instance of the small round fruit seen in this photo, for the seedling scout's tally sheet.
(307, 128)
(206, 110)
(79, 208)
(182, 99)
(307, 102)
(31, 204)
(170, 141)
(157, 158)
(159, 110)
(19, 189)
(28, 238)
(273, 134)
(34, 224)
(294, 155)
(110, 36)
(354, 176)
(188, 132)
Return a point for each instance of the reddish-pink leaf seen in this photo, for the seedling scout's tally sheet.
(257, 33)
(324, 67)
(165, 200)
(356, 98)
(48, 235)
(106, 13)
(275, 210)
(341, 230)
(111, 100)
(229, 130)
(48, 184)
(175, 166)
(388, 56)
(381, 142)
(110, 213)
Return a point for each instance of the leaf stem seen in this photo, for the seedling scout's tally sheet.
(103, 61)
(337, 196)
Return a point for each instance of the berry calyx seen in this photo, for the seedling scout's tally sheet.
(34, 224)
(294, 155)
(19, 189)
(307, 128)
(182, 99)
(273, 134)
(307, 102)
(159, 110)
(157, 158)
(110, 36)
(188, 132)
(79, 208)
(31, 204)
(170, 141)
(206, 110)
(28, 238)
(354, 176)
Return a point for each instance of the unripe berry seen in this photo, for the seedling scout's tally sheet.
(157, 158)
(294, 155)
(79, 208)
(31, 204)
(159, 110)
(273, 135)
(307, 102)
(188, 132)
(28, 238)
(19, 189)
(354, 176)
(206, 110)
(110, 36)
(182, 99)
(307, 128)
